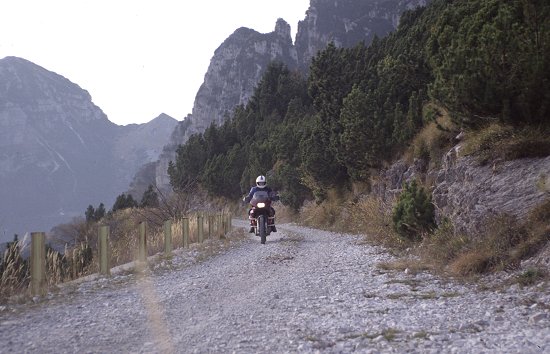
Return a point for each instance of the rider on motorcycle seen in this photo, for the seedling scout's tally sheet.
(261, 184)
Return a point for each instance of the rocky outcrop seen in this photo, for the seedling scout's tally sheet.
(389, 183)
(469, 193)
(234, 70)
(346, 23)
(59, 152)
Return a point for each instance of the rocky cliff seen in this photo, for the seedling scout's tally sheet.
(240, 61)
(59, 152)
(346, 23)
(236, 67)
(469, 193)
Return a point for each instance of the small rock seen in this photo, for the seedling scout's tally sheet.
(536, 318)
(345, 329)
(482, 323)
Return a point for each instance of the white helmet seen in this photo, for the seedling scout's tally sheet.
(261, 182)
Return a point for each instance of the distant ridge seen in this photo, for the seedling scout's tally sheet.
(59, 152)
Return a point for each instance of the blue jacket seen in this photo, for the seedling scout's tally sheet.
(255, 189)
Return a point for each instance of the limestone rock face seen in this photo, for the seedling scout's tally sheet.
(346, 23)
(59, 152)
(468, 193)
(235, 69)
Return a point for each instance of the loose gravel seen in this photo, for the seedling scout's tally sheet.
(304, 291)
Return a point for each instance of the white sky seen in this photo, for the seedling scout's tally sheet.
(136, 58)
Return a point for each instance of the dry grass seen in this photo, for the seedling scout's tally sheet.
(284, 214)
(368, 215)
(493, 252)
(433, 140)
(14, 272)
(543, 183)
(504, 142)
(125, 234)
(505, 243)
(372, 217)
(323, 215)
(538, 232)
(71, 264)
(442, 246)
(501, 246)
(82, 259)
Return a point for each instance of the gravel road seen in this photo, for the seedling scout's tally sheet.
(304, 291)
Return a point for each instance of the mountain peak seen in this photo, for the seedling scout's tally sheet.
(282, 29)
(13, 59)
(39, 93)
(164, 117)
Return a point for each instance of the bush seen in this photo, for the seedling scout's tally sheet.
(414, 212)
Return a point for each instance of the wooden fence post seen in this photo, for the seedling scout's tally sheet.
(210, 226)
(167, 237)
(38, 263)
(219, 225)
(185, 226)
(142, 242)
(103, 250)
(229, 221)
(200, 228)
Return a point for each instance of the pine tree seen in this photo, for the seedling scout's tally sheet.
(124, 201)
(413, 213)
(362, 138)
(99, 212)
(90, 212)
(149, 199)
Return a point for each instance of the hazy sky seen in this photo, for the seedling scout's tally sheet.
(136, 58)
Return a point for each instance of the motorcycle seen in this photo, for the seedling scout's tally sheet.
(259, 214)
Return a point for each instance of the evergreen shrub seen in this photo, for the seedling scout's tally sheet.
(413, 213)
